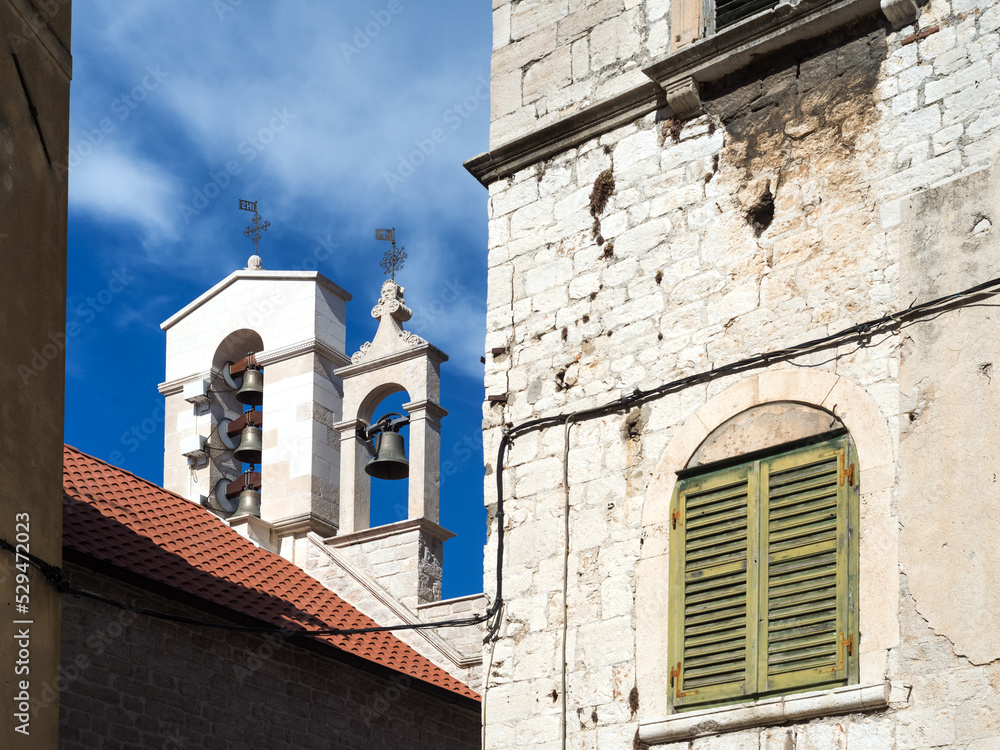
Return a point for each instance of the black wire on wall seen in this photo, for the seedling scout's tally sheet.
(859, 335)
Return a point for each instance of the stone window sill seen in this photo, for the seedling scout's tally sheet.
(681, 73)
(799, 707)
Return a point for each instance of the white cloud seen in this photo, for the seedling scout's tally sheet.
(121, 188)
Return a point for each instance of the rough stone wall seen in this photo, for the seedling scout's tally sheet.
(780, 215)
(552, 57)
(407, 564)
(134, 682)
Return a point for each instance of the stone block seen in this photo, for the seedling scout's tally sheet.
(505, 94)
(614, 40)
(547, 75)
(501, 26)
(531, 15)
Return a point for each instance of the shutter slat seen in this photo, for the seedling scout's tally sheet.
(718, 592)
(731, 509)
(824, 498)
(713, 526)
(716, 549)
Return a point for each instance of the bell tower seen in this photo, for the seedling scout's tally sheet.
(271, 340)
(395, 360)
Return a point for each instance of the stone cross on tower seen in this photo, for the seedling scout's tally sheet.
(390, 312)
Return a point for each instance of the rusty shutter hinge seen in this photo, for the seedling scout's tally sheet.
(676, 516)
(675, 682)
(846, 644)
(847, 473)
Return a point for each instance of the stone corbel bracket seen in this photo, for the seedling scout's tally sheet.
(684, 97)
(900, 12)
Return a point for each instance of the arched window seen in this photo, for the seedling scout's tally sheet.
(764, 572)
(767, 585)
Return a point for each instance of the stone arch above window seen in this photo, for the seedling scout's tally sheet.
(785, 405)
(762, 427)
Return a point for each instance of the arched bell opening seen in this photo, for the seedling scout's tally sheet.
(389, 495)
(237, 419)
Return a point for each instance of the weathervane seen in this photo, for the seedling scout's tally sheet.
(393, 259)
(254, 230)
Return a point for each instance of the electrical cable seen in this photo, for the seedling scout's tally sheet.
(57, 578)
(565, 580)
(486, 683)
(860, 334)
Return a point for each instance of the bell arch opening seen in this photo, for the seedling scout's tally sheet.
(389, 497)
(235, 346)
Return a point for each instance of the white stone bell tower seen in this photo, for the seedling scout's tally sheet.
(395, 360)
(294, 324)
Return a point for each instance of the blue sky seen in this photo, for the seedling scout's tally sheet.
(337, 117)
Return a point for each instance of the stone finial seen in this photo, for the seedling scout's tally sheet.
(254, 263)
(391, 312)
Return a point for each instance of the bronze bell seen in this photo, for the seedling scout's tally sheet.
(251, 445)
(390, 458)
(252, 390)
(249, 503)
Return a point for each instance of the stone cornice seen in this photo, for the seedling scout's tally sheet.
(424, 350)
(266, 357)
(733, 49)
(391, 529)
(456, 600)
(553, 139)
(677, 77)
(270, 356)
(171, 387)
(261, 275)
(434, 410)
(305, 522)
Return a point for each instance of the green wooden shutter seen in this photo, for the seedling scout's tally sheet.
(807, 631)
(713, 597)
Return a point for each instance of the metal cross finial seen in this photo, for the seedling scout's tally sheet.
(393, 259)
(254, 230)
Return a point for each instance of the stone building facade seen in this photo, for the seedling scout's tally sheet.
(171, 686)
(666, 198)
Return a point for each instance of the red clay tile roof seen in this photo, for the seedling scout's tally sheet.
(113, 515)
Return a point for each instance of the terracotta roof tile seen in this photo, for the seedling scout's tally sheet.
(115, 516)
